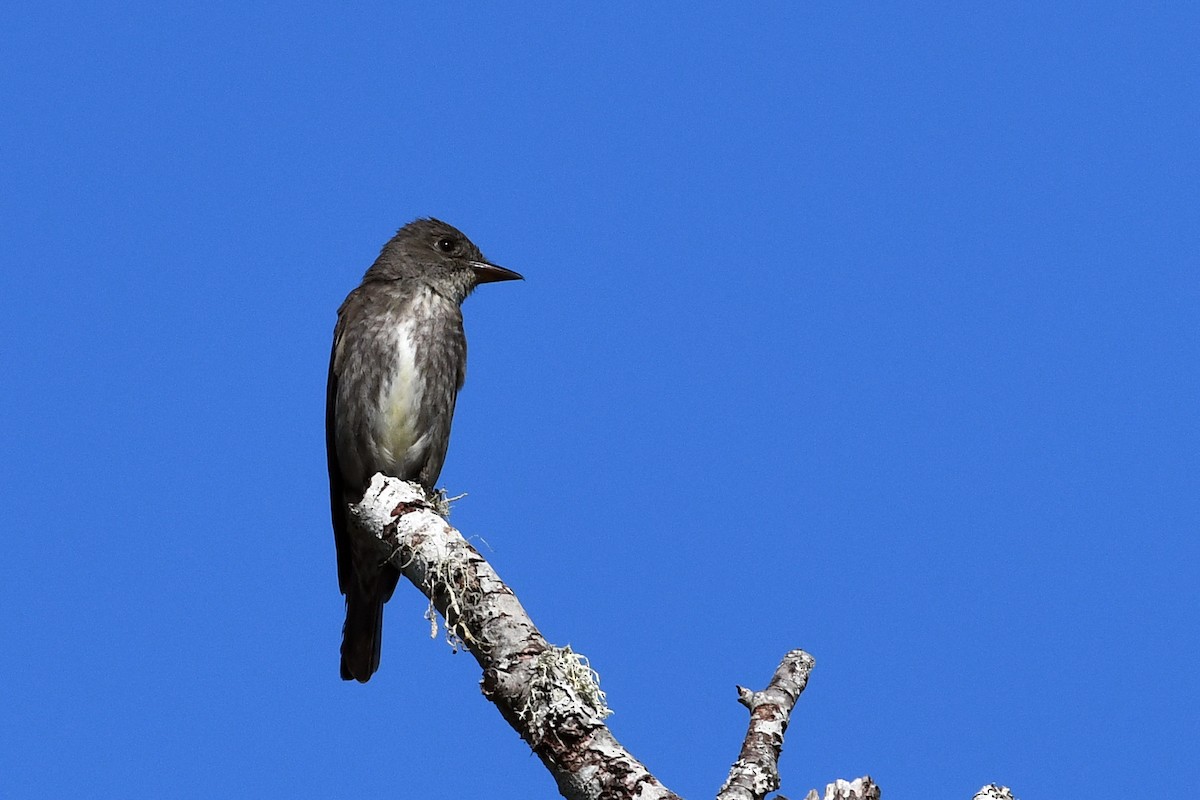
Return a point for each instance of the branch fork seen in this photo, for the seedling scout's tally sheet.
(551, 695)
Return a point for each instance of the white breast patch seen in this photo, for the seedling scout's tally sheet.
(402, 396)
(401, 399)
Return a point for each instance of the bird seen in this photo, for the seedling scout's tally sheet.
(398, 361)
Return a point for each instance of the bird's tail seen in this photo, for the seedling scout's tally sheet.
(362, 634)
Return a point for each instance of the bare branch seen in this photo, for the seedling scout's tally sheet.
(858, 789)
(756, 770)
(549, 695)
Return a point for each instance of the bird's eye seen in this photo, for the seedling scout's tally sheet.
(445, 244)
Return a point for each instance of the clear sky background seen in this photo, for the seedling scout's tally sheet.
(871, 331)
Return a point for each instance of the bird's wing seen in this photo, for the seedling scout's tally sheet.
(337, 498)
(437, 404)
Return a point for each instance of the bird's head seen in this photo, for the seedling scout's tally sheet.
(439, 254)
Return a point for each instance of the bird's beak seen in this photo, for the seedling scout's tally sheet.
(490, 273)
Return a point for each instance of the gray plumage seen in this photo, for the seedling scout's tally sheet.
(399, 358)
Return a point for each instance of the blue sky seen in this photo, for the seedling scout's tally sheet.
(871, 331)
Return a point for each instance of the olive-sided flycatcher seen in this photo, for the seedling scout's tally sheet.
(399, 359)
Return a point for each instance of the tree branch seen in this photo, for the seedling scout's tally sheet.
(859, 789)
(756, 770)
(550, 695)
